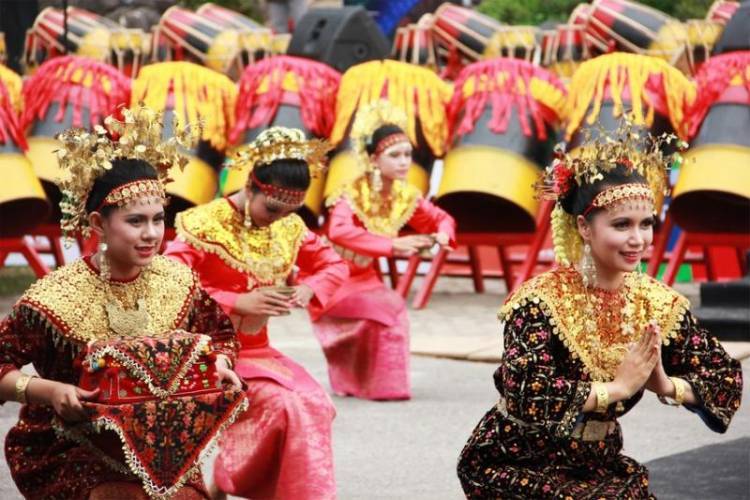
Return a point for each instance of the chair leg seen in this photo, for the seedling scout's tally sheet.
(423, 294)
(708, 259)
(476, 269)
(57, 251)
(406, 279)
(393, 272)
(678, 254)
(660, 245)
(506, 266)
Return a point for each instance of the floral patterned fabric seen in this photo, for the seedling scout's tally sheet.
(535, 443)
(42, 463)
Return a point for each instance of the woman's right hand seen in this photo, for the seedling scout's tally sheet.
(66, 400)
(262, 302)
(406, 246)
(636, 367)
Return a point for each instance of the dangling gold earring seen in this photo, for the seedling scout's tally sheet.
(376, 180)
(588, 268)
(104, 273)
(248, 222)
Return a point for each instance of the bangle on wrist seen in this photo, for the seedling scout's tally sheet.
(679, 392)
(602, 397)
(22, 383)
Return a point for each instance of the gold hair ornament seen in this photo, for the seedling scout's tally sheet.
(367, 121)
(85, 156)
(282, 143)
(601, 152)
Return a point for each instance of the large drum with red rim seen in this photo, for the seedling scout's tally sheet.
(503, 118)
(183, 35)
(66, 92)
(712, 192)
(190, 94)
(22, 201)
(722, 11)
(621, 25)
(255, 39)
(462, 35)
(291, 92)
(414, 44)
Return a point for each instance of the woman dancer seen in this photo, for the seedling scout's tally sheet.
(364, 330)
(244, 248)
(584, 341)
(117, 297)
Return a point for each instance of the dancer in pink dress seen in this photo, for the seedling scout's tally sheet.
(364, 330)
(244, 248)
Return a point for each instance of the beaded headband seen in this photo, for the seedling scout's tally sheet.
(390, 140)
(285, 196)
(618, 194)
(86, 156)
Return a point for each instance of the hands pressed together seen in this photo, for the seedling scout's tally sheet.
(406, 246)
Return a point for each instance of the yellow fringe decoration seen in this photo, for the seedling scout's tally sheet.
(621, 70)
(200, 94)
(418, 91)
(566, 240)
(13, 84)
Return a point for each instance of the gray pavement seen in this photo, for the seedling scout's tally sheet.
(408, 450)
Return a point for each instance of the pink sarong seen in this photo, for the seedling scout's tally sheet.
(280, 448)
(365, 339)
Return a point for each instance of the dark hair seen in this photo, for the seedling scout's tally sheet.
(285, 173)
(381, 133)
(123, 171)
(580, 197)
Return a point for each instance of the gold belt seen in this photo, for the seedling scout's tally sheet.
(357, 259)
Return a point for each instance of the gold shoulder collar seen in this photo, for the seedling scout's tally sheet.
(384, 218)
(73, 299)
(621, 316)
(265, 254)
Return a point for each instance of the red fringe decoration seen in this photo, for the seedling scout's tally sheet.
(10, 123)
(76, 80)
(712, 80)
(463, 112)
(317, 85)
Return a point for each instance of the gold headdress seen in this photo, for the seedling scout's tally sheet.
(367, 121)
(88, 155)
(282, 143)
(599, 154)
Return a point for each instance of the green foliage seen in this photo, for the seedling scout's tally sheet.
(538, 11)
(250, 8)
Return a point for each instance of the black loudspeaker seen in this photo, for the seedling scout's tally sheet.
(339, 38)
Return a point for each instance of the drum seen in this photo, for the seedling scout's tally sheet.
(255, 39)
(23, 204)
(702, 35)
(290, 92)
(580, 15)
(88, 36)
(462, 34)
(620, 25)
(502, 117)
(65, 92)
(722, 11)
(130, 50)
(564, 49)
(191, 93)
(517, 42)
(712, 193)
(414, 44)
(416, 90)
(183, 35)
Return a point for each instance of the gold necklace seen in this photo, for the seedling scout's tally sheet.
(127, 313)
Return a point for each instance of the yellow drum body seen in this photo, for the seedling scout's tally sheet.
(23, 203)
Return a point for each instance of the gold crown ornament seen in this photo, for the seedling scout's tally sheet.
(367, 121)
(85, 156)
(599, 153)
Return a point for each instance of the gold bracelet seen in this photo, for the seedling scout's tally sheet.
(21, 383)
(602, 397)
(679, 392)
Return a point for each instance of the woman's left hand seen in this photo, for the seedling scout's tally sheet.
(225, 373)
(302, 296)
(658, 382)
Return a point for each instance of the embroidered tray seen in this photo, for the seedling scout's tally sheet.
(130, 370)
(162, 398)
